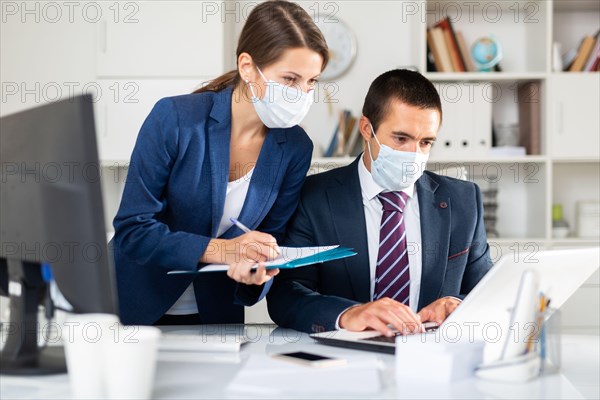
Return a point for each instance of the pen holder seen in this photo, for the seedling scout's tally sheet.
(548, 344)
(543, 355)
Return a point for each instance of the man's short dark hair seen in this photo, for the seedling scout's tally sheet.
(406, 86)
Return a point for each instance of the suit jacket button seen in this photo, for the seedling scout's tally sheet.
(443, 204)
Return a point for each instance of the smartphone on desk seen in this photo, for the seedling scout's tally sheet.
(310, 359)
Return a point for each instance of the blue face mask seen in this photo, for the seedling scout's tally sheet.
(396, 170)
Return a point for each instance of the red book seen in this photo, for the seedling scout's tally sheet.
(446, 25)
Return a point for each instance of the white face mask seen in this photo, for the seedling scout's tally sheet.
(283, 106)
(396, 170)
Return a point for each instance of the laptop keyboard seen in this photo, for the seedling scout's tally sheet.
(383, 339)
(392, 339)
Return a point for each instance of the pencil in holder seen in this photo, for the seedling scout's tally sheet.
(548, 342)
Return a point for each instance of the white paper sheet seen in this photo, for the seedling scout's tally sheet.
(263, 374)
(287, 254)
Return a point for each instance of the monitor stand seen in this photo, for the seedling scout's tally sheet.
(21, 354)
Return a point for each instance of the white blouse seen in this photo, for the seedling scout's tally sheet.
(234, 201)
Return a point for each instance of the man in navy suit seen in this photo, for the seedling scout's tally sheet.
(420, 237)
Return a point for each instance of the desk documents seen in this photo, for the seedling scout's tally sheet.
(360, 377)
(290, 257)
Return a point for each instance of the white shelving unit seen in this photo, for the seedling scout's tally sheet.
(142, 51)
(568, 168)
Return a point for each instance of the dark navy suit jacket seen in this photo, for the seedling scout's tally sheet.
(455, 253)
(173, 203)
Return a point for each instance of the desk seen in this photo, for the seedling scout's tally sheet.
(192, 375)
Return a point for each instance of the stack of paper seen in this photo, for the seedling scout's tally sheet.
(290, 257)
(265, 375)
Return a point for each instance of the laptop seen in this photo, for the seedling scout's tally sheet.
(486, 311)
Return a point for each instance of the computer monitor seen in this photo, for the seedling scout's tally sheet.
(51, 221)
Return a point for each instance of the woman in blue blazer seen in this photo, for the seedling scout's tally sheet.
(232, 149)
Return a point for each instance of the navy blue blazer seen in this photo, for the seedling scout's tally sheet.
(174, 199)
(455, 253)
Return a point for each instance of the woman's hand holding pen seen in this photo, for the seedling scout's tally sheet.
(254, 247)
(242, 253)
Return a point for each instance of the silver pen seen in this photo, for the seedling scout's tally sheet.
(240, 225)
(246, 230)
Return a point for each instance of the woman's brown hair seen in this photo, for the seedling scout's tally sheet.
(273, 27)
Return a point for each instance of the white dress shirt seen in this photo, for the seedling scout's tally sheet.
(412, 225)
(373, 212)
(234, 201)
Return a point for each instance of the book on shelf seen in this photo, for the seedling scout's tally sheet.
(596, 66)
(593, 58)
(341, 135)
(568, 58)
(585, 49)
(530, 116)
(351, 122)
(433, 51)
(430, 67)
(456, 57)
(354, 146)
(464, 50)
(439, 44)
(453, 56)
(333, 143)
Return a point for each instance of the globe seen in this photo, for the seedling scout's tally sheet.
(486, 53)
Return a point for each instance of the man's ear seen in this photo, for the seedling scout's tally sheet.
(246, 67)
(365, 128)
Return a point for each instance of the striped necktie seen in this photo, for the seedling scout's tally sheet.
(392, 277)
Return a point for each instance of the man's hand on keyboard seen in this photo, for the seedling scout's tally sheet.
(439, 310)
(378, 314)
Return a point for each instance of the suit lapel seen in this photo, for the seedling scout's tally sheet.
(348, 217)
(265, 176)
(219, 139)
(435, 238)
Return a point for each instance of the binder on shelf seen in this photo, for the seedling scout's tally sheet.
(464, 137)
(530, 116)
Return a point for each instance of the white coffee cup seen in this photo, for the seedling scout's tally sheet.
(131, 363)
(85, 339)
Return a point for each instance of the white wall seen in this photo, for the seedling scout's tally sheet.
(384, 42)
(38, 56)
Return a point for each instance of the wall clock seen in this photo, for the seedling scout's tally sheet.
(342, 46)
